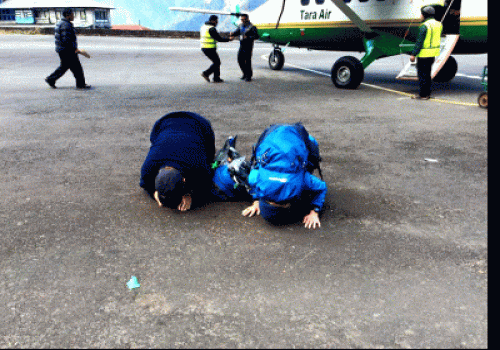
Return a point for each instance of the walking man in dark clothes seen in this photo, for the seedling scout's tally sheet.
(177, 171)
(67, 48)
(248, 34)
(208, 39)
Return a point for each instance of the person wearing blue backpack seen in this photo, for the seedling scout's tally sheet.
(281, 181)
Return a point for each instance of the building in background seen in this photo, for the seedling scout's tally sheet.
(88, 13)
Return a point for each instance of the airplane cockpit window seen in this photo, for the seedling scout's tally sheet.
(304, 2)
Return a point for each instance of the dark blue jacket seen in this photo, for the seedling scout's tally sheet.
(186, 142)
(65, 36)
(250, 31)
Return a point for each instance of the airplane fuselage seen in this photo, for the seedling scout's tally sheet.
(320, 25)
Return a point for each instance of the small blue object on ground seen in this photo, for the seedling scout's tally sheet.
(133, 283)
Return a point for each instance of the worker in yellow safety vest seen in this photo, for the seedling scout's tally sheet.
(208, 39)
(427, 48)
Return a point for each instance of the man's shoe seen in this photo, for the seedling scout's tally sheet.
(51, 83)
(248, 79)
(86, 87)
(205, 77)
(243, 77)
(418, 97)
(218, 80)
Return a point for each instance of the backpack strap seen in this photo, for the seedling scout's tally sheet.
(314, 158)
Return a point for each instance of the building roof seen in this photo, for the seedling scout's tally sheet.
(29, 4)
(128, 27)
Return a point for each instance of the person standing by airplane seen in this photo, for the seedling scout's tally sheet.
(208, 39)
(67, 48)
(248, 34)
(427, 48)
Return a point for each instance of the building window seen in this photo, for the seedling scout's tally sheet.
(101, 15)
(7, 15)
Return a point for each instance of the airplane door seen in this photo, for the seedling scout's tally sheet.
(451, 21)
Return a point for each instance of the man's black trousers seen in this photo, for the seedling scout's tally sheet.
(215, 67)
(69, 60)
(424, 66)
(245, 61)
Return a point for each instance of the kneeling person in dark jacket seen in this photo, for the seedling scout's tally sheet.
(178, 163)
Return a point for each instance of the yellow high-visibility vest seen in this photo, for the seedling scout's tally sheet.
(206, 40)
(432, 42)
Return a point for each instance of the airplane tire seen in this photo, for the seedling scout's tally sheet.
(448, 71)
(276, 60)
(347, 73)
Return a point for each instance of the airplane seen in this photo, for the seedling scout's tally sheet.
(379, 28)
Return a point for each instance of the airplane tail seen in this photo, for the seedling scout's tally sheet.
(235, 15)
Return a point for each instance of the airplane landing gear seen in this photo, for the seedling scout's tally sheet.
(276, 59)
(347, 72)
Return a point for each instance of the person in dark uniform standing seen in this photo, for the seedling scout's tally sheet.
(208, 40)
(67, 48)
(177, 171)
(248, 34)
(427, 48)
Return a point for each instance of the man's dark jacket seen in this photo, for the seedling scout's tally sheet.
(65, 36)
(186, 142)
(250, 31)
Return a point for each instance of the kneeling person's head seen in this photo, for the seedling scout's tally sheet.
(170, 186)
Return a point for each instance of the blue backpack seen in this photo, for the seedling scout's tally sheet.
(281, 157)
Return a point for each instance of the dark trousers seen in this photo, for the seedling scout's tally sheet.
(69, 60)
(424, 66)
(215, 67)
(245, 62)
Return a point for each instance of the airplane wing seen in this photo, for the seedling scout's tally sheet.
(346, 10)
(215, 12)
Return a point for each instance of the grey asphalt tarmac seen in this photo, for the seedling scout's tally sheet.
(400, 260)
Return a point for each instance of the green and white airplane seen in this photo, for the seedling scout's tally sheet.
(379, 28)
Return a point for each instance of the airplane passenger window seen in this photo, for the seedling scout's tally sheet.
(320, 2)
(304, 2)
(347, 0)
(363, 0)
